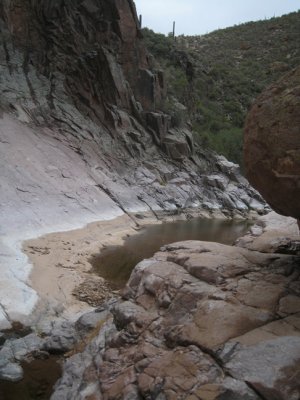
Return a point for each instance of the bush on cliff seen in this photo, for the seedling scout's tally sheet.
(230, 68)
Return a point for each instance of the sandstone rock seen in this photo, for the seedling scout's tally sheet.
(271, 146)
(199, 320)
(277, 378)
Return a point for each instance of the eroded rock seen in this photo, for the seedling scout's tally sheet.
(83, 137)
(272, 141)
(201, 320)
(272, 367)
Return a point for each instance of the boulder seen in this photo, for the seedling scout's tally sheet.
(272, 145)
(198, 320)
(276, 379)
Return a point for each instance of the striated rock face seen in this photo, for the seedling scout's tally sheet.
(272, 145)
(82, 137)
(77, 74)
(92, 47)
(200, 321)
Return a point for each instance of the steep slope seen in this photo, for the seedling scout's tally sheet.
(217, 76)
(272, 144)
(82, 136)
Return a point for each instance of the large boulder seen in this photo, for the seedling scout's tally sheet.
(272, 145)
(198, 320)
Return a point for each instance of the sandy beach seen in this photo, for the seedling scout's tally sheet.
(61, 262)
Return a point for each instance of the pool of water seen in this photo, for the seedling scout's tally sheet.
(39, 378)
(115, 263)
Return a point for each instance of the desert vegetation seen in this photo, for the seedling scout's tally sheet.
(217, 76)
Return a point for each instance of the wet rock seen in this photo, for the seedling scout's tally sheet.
(18, 350)
(56, 337)
(24, 347)
(10, 371)
(90, 321)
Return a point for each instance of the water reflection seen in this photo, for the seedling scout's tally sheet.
(116, 262)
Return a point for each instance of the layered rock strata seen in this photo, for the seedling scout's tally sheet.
(82, 137)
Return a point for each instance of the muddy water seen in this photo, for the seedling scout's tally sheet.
(116, 262)
(39, 378)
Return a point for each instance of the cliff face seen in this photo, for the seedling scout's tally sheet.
(82, 135)
(79, 71)
(198, 320)
(272, 143)
(91, 50)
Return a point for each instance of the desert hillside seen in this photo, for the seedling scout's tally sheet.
(217, 76)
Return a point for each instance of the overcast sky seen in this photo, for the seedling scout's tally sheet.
(197, 17)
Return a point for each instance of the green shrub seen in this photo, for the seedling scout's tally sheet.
(231, 67)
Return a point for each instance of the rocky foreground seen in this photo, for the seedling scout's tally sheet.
(199, 320)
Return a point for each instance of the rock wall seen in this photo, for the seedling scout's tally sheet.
(272, 145)
(78, 72)
(82, 137)
(87, 53)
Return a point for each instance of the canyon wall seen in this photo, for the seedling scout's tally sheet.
(83, 137)
(272, 144)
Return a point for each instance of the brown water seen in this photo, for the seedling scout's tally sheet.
(115, 263)
(39, 378)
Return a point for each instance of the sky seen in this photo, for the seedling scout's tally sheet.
(197, 17)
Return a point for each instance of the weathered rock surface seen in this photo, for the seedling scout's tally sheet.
(51, 337)
(82, 137)
(200, 321)
(272, 142)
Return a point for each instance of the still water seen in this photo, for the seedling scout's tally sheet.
(37, 384)
(115, 263)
